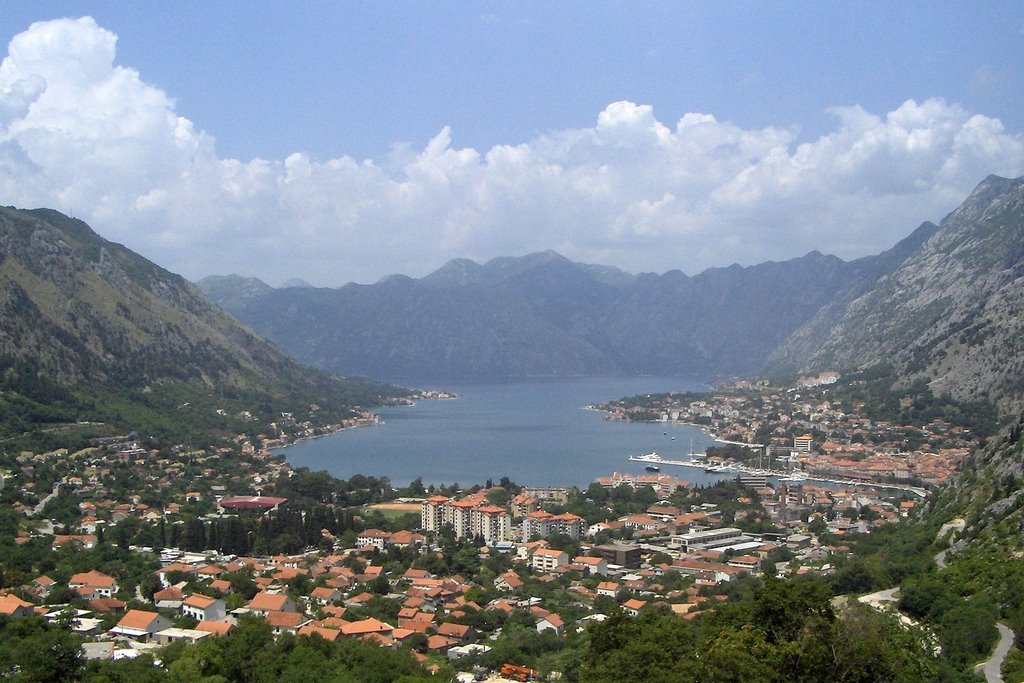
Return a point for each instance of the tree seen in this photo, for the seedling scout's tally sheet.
(417, 642)
(783, 609)
(652, 647)
(737, 655)
(968, 630)
(40, 652)
(853, 577)
(817, 526)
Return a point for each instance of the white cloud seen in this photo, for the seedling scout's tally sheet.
(80, 134)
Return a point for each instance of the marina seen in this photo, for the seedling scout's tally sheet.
(653, 459)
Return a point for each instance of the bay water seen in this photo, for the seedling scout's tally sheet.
(538, 433)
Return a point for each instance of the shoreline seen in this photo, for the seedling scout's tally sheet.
(399, 460)
(375, 419)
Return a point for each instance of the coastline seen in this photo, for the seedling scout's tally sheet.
(536, 433)
(369, 419)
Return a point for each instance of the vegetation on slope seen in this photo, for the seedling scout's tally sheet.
(91, 331)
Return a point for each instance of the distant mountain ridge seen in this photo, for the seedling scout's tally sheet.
(542, 315)
(91, 330)
(928, 307)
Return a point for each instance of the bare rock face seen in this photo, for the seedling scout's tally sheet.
(952, 314)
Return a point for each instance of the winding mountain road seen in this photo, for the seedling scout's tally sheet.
(958, 524)
(992, 668)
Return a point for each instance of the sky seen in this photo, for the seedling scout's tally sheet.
(343, 141)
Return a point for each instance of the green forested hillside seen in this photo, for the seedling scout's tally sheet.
(91, 331)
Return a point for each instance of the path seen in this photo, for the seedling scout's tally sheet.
(993, 667)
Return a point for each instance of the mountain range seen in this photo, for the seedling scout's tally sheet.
(543, 315)
(943, 305)
(92, 331)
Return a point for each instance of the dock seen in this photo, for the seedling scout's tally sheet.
(792, 476)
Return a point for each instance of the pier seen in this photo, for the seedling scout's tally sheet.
(793, 476)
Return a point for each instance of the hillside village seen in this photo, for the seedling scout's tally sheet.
(813, 428)
(444, 574)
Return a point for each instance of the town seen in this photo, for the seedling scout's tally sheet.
(489, 580)
(814, 429)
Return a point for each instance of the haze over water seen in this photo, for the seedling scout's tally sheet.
(535, 432)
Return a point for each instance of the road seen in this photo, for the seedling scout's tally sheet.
(993, 667)
(56, 489)
(990, 668)
(958, 524)
(876, 599)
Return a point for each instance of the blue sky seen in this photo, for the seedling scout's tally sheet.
(396, 136)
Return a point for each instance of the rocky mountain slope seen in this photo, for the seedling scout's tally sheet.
(89, 329)
(543, 315)
(951, 314)
(987, 494)
(944, 306)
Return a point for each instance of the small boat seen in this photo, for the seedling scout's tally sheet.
(652, 468)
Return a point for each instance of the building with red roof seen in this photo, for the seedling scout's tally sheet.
(250, 503)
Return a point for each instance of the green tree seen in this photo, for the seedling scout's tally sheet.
(38, 652)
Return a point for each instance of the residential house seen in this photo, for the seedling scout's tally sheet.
(551, 622)
(324, 595)
(284, 622)
(168, 598)
(14, 607)
(405, 539)
(93, 584)
(203, 608)
(633, 606)
(140, 625)
(215, 628)
(592, 566)
(460, 632)
(509, 581)
(373, 538)
(264, 602)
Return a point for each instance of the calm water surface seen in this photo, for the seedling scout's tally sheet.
(537, 433)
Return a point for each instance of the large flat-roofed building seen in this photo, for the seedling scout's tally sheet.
(620, 554)
(253, 503)
(548, 493)
(709, 538)
(542, 524)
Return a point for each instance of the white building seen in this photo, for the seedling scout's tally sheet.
(547, 559)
